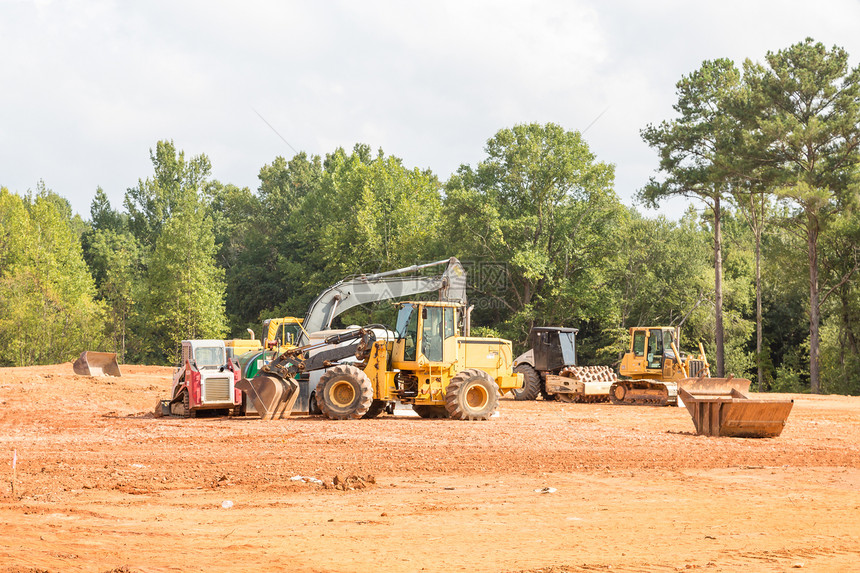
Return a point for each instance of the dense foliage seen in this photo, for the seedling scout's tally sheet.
(537, 223)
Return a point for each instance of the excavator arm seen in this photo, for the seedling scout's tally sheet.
(364, 289)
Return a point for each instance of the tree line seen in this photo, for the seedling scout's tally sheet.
(762, 268)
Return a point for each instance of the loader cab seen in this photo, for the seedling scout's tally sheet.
(554, 348)
(426, 332)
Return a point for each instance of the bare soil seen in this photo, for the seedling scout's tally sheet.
(102, 485)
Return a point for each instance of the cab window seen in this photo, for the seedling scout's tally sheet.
(407, 329)
(431, 333)
(209, 357)
(639, 343)
(667, 340)
(450, 325)
(655, 349)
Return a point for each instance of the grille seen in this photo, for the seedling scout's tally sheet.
(216, 390)
(695, 367)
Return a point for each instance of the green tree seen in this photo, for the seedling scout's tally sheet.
(360, 214)
(119, 258)
(808, 120)
(185, 288)
(47, 309)
(175, 180)
(695, 152)
(663, 276)
(543, 208)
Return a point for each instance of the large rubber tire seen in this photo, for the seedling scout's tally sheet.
(426, 411)
(377, 407)
(344, 392)
(531, 383)
(471, 395)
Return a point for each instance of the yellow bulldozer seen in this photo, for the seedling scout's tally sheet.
(655, 372)
(428, 361)
(652, 369)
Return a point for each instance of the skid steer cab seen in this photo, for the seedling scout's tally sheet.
(205, 380)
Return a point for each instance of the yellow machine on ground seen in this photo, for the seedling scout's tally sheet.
(281, 334)
(278, 334)
(653, 368)
(428, 361)
(661, 375)
(425, 362)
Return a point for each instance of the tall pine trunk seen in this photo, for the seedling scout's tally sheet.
(718, 287)
(758, 313)
(814, 311)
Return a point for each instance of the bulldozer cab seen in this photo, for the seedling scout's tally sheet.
(426, 332)
(651, 351)
(554, 348)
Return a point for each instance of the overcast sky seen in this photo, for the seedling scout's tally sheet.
(88, 88)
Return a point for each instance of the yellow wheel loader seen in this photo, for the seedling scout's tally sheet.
(428, 361)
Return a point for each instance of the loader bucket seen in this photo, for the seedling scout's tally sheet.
(272, 397)
(97, 364)
(735, 415)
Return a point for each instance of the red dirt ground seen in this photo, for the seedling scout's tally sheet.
(104, 486)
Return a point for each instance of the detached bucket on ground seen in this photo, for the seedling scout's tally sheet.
(96, 364)
(733, 414)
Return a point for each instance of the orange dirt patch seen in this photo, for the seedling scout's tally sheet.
(546, 487)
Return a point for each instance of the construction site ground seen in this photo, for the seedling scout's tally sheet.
(102, 485)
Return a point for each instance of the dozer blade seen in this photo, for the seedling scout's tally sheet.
(735, 415)
(272, 397)
(96, 364)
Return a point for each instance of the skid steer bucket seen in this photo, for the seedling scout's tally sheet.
(733, 414)
(272, 397)
(96, 364)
